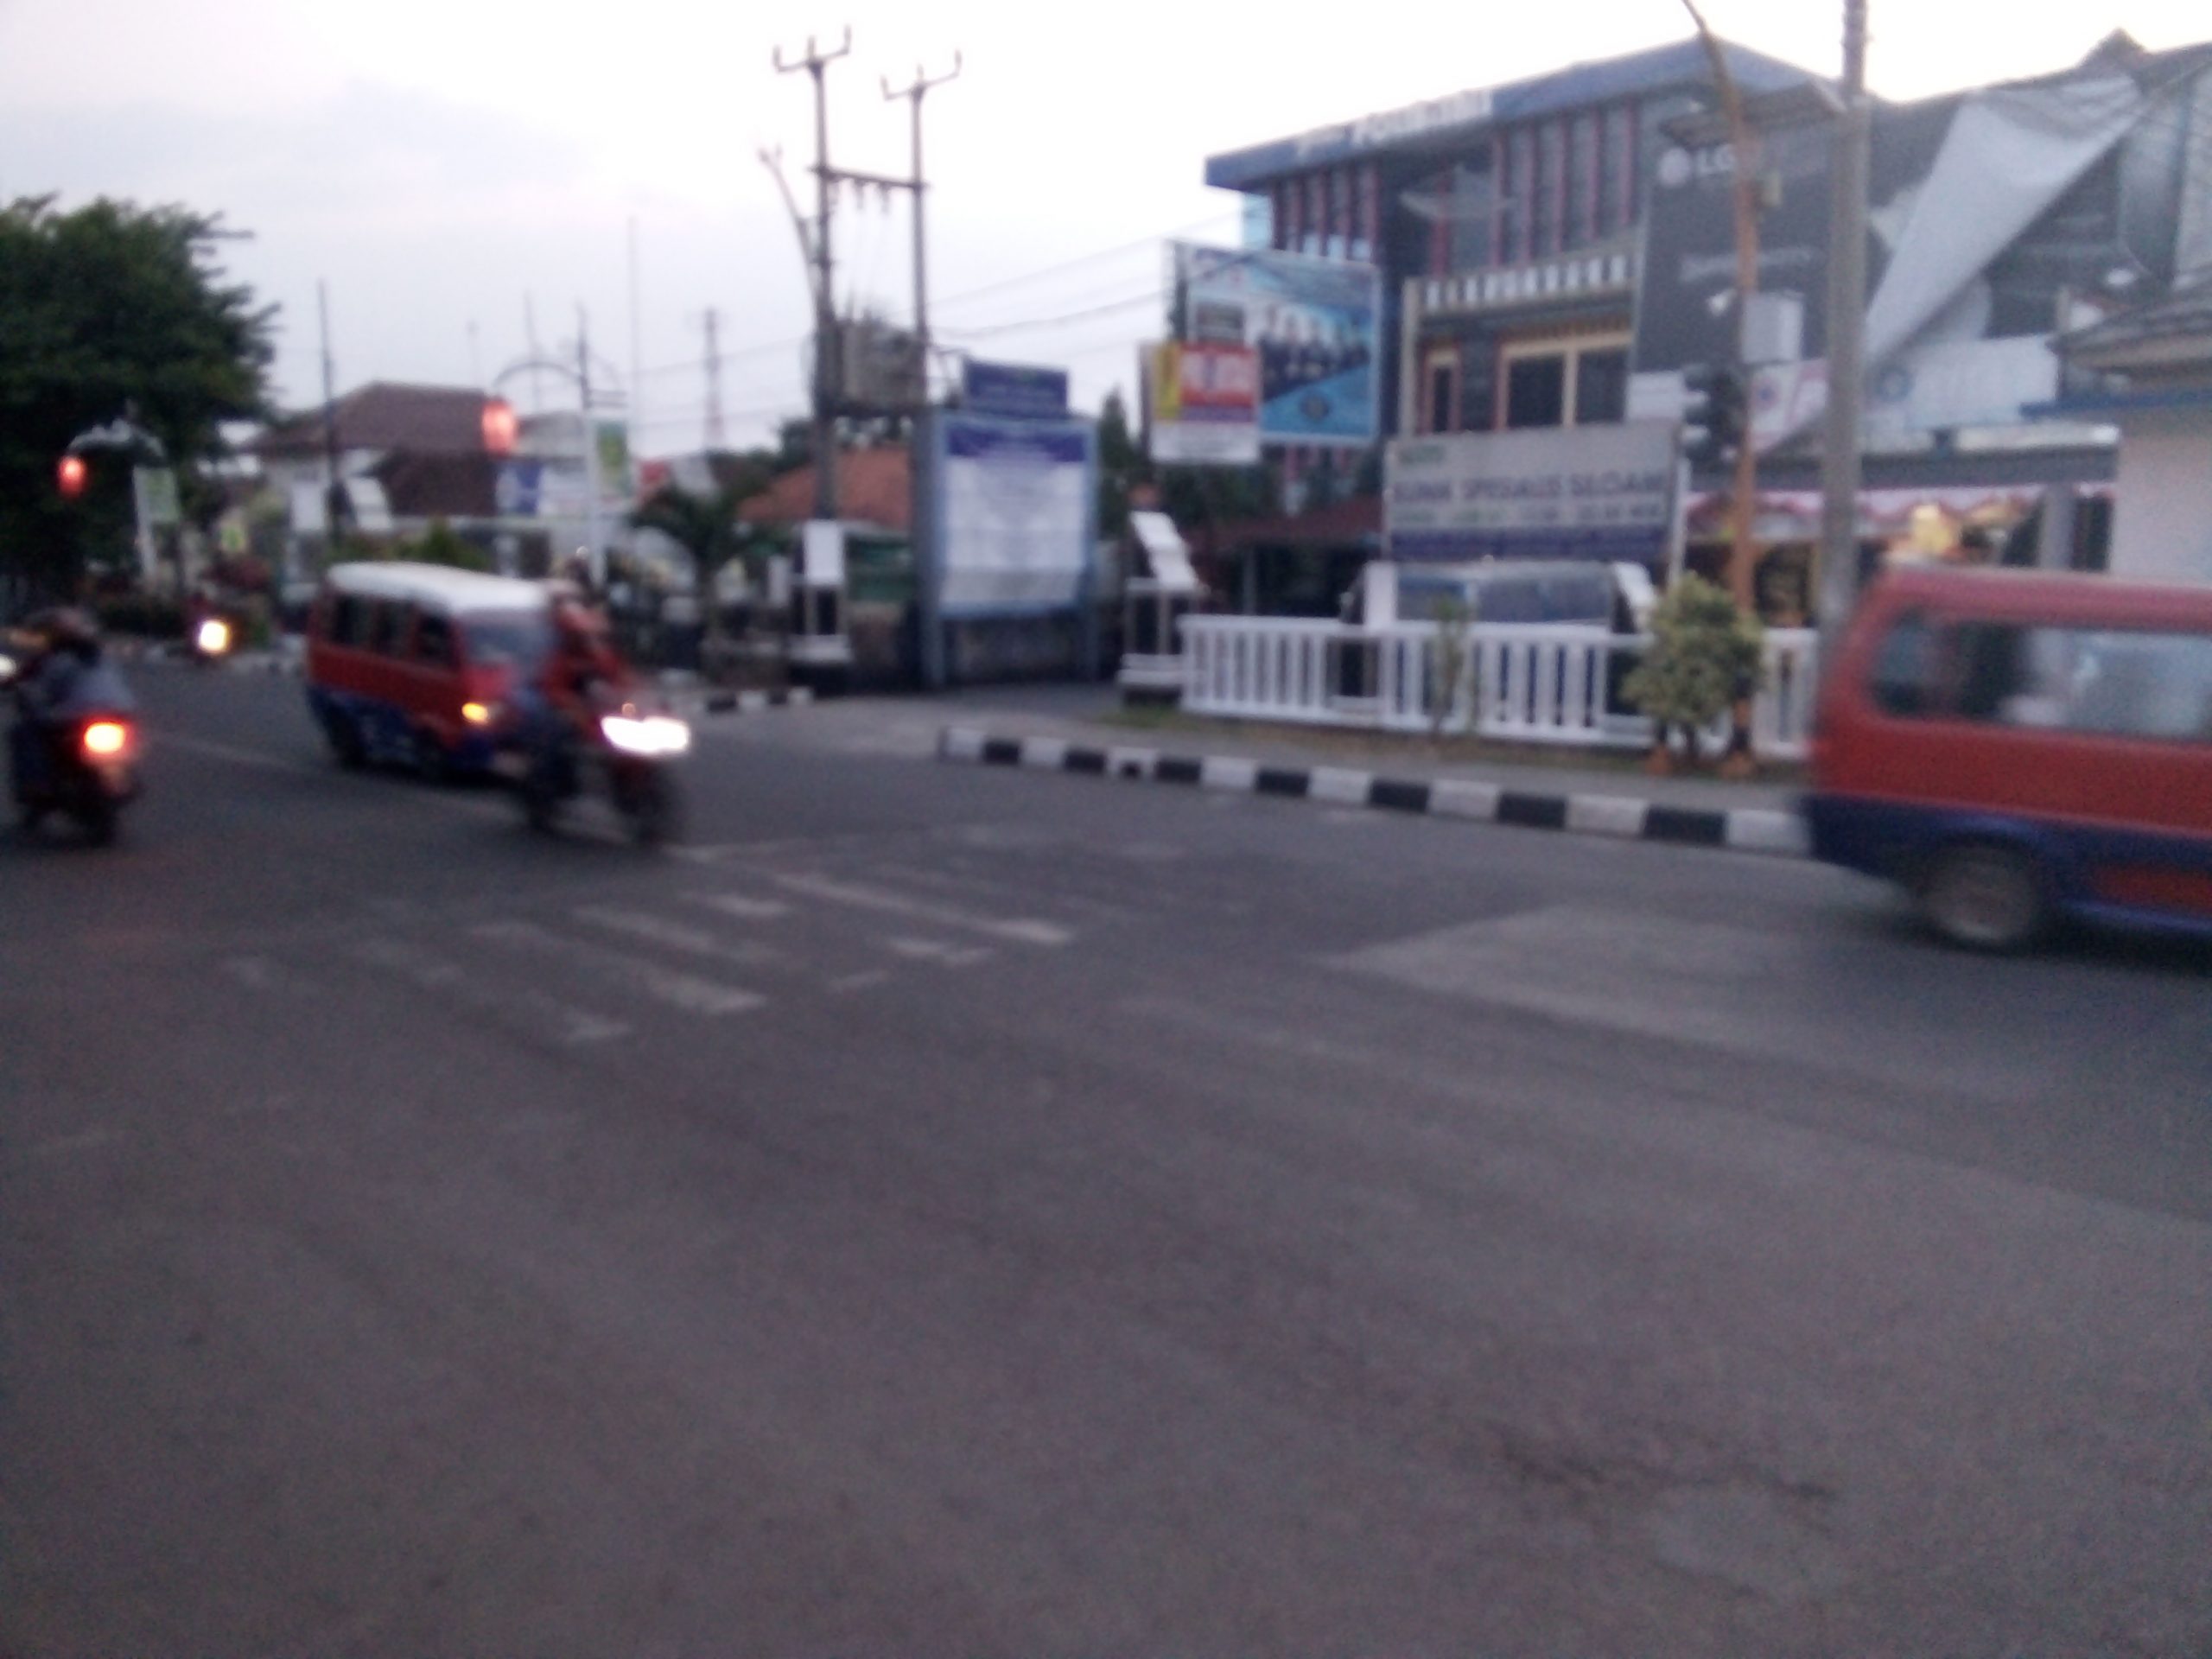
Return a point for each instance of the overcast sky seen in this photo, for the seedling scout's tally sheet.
(439, 161)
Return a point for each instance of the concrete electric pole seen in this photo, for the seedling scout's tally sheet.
(816, 64)
(1847, 331)
(914, 94)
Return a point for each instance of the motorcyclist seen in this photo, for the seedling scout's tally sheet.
(66, 676)
(581, 675)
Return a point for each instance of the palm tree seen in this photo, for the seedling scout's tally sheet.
(705, 527)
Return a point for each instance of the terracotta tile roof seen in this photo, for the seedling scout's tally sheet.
(874, 487)
(384, 415)
(439, 486)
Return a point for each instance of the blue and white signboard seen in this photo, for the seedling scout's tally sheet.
(1020, 391)
(1582, 492)
(1316, 324)
(1014, 502)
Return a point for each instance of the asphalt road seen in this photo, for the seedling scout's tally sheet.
(956, 1211)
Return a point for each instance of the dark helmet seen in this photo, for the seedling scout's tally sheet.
(65, 625)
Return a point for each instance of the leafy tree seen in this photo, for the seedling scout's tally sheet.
(705, 527)
(440, 544)
(1705, 654)
(109, 309)
(1122, 465)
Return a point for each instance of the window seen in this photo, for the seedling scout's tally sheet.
(1566, 380)
(1903, 680)
(1582, 183)
(1472, 201)
(1521, 196)
(1535, 392)
(521, 638)
(347, 621)
(434, 641)
(1551, 185)
(1443, 391)
(387, 628)
(1616, 174)
(2117, 682)
(1601, 387)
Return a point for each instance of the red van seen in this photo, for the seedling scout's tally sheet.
(413, 662)
(2019, 747)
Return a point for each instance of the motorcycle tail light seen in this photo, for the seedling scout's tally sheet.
(107, 737)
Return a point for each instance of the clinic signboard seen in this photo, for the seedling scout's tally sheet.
(1597, 493)
(1018, 391)
(1314, 327)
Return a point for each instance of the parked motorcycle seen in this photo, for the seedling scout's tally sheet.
(632, 753)
(76, 753)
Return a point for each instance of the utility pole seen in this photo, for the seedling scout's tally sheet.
(914, 94)
(817, 63)
(1846, 326)
(716, 437)
(595, 550)
(333, 492)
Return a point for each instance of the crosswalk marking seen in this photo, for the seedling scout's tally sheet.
(679, 990)
(1022, 930)
(951, 955)
(750, 910)
(657, 930)
(454, 983)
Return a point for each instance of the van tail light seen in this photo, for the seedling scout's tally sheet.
(106, 739)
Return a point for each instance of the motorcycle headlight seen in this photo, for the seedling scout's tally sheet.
(214, 636)
(648, 734)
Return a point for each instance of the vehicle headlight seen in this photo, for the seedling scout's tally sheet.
(648, 734)
(214, 636)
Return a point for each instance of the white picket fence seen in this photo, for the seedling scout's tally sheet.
(1529, 683)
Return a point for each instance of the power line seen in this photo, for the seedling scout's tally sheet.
(1152, 297)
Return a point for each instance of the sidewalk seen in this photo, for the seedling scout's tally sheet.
(1084, 729)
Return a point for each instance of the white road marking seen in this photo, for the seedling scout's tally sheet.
(655, 930)
(849, 983)
(84, 1140)
(456, 984)
(1022, 930)
(951, 955)
(683, 991)
(736, 904)
(252, 972)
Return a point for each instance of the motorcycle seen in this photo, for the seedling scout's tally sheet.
(79, 758)
(630, 751)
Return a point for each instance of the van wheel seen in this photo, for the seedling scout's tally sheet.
(1984, 898)
(432, 764)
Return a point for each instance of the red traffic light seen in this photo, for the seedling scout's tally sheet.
(71, 474)
(499, 426)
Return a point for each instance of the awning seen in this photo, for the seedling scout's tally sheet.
(1792, 515)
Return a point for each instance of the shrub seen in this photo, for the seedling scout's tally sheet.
(1705, 654)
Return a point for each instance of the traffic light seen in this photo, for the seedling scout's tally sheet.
(70, 474)
(1714, 409)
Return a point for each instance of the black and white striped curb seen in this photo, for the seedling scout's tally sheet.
(1747, 829)
(741, 703)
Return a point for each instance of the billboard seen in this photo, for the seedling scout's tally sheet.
(1987, 211)
(1018, 391)
(1576, 491)
(1202, 403)
(1015, 506)
(1315, 325)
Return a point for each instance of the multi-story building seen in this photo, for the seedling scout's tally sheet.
(1507, 223)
